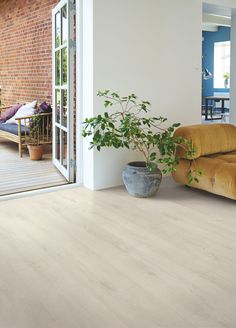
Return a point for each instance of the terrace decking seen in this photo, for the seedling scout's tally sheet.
(22, 174)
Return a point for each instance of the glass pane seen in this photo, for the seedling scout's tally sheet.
(64, 66)
(58, 30)
(222, 65)
(64, 107)
(58, 106)
(58, 148)
(64, 149)
(64, 24)
(58, 68)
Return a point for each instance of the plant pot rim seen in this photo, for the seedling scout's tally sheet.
(139, 164)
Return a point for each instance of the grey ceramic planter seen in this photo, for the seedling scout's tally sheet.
(139, 182)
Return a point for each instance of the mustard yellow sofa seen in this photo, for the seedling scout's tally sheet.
(215, 155)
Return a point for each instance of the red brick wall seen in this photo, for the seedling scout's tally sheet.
(25, 50)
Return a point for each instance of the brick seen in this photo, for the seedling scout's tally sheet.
(25, 50)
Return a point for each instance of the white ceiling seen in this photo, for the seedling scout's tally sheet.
(216, 10)
(215, 16)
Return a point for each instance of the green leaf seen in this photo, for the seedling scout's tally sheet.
(111, 125)
(153, 156)
(107, 103)
(176, 125)
(115, 95)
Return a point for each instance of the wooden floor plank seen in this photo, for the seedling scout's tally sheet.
(22, 174)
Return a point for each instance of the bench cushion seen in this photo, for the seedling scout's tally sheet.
(13, 128)
(9, 113)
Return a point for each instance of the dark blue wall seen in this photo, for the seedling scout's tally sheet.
(210, 38)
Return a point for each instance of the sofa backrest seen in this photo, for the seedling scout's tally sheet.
(208, 139)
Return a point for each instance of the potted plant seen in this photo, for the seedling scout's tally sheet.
(33, 144)
(128, 126)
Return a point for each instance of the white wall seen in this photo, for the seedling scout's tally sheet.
(151, 48)
(85, 93)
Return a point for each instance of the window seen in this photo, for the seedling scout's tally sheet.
(221, 64)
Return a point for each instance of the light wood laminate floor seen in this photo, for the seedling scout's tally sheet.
(83, 259)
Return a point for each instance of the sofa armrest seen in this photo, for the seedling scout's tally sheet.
(45, 130)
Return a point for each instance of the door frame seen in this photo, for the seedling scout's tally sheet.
(79, 92)
(68, 171)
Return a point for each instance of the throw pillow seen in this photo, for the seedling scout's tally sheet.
(44, 108)
(25, 110)
(9, 113)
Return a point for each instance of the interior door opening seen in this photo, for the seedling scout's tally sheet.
(216, 68)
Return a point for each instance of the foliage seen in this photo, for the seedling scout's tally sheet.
(130, 127)
(61, 56)
(34, 130)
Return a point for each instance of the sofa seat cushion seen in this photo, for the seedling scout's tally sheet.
(13, 128)
(219, 173)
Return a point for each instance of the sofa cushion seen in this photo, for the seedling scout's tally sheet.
(9, 113)
(24, 111)
(226, 157)
(43, 108)
(13, 128)
(208, 139)
(219, 174)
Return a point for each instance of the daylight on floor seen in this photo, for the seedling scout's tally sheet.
(117, 163)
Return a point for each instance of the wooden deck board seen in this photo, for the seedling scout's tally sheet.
(22, 174)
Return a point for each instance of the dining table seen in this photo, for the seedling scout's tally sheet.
(215, 99)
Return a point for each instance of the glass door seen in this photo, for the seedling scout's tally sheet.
(63, 86)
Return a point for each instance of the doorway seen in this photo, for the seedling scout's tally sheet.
(37, 76)
(216, 55)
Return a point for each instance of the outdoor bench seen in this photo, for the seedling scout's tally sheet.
(18, 132)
